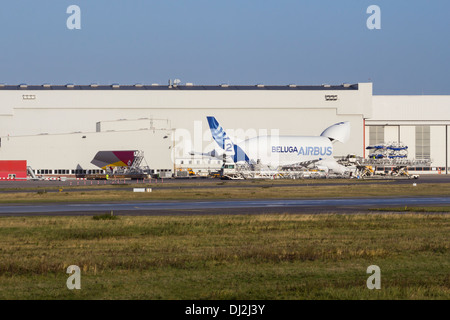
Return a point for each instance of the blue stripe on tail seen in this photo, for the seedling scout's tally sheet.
(220, 136)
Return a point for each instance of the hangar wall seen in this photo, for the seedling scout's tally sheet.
(67, 109)
(75, 151)
(405, 118)
(45, 125)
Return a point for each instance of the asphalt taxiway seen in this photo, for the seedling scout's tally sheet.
(348, 205)
(263, 206)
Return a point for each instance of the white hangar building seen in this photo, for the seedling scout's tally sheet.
(59, 129)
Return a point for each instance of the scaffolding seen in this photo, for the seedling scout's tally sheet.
(234, 171)
(135, 168)
(382, 166)
(393, 155)
(390, 159)
(390, 150)
(134, 171)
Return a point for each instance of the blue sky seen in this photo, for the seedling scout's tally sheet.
(243, 42)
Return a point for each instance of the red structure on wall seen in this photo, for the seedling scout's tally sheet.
(13, 169)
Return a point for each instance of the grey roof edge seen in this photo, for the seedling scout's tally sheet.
(47, 87)
(179, 87)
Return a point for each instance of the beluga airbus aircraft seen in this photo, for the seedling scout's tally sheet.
(277, 151)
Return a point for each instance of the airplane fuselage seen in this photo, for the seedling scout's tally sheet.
(286, 150)
(275, 151)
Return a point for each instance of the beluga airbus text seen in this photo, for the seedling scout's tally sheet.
(276, 151)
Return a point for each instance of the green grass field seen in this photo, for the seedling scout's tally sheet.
(226, 257)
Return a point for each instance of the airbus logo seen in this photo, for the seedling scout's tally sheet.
(315, 151)
(306, 151)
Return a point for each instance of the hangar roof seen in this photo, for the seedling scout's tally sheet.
(177, 87)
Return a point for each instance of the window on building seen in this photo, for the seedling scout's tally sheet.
(376, 135)
(423, 142)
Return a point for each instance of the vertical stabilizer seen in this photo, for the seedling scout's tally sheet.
(220, 136)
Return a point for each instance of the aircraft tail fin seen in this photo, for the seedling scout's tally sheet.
(220, 136)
